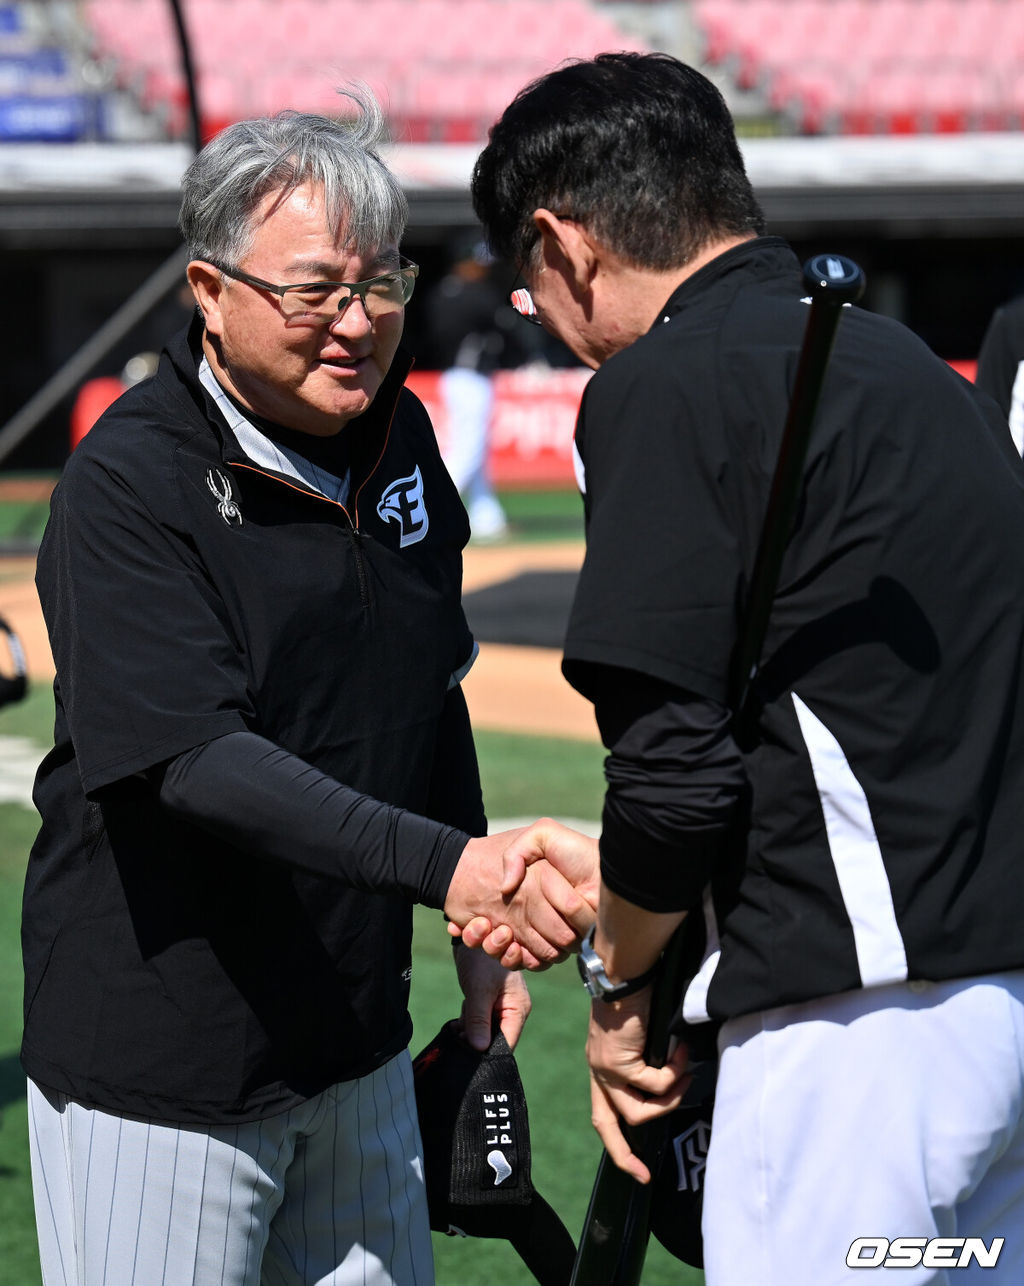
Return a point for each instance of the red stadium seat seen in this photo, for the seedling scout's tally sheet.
(813, 95)
(444, 66)
(865, 66)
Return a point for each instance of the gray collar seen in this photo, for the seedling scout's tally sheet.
(268, 454)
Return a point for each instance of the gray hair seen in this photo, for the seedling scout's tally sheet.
(225, 184)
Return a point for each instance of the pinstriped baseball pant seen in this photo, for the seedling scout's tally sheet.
(330, 1192)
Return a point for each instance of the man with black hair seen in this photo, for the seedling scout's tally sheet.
(851, 881)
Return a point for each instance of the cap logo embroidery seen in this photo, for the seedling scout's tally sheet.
(402, 502)
(499, 1128)
(221, 488)
(691, 1153)
(502, 1169)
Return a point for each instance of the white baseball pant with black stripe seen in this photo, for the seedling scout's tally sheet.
(895, 1111)
(330, 1192)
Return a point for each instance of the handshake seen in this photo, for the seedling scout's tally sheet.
(526, 896)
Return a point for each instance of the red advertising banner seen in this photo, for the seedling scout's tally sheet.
(531, 437)
(534, 418)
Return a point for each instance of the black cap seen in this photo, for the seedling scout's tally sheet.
(677, 1197)
(476, 1153)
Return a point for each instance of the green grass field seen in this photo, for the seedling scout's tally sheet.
(554, 514)
(23, 514)
(543, 515)
(522, 776)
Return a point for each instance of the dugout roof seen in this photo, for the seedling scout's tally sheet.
(969, 185)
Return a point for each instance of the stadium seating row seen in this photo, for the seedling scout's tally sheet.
(875, 66)
(444, 68)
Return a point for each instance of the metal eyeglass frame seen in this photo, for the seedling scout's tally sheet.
(406, 272)
(520, 299)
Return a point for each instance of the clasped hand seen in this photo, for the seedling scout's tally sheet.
(624, 1090)
(526, 896)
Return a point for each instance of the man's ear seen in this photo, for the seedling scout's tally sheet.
(207, 287)
(567, 248)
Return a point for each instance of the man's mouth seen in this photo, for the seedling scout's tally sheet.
(345, 362)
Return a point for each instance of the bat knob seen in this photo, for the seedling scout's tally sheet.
(834, 276)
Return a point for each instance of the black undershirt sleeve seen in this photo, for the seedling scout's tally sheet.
(675, 785)
(267, 802)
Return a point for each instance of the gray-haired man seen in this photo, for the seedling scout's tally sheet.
(251, 579)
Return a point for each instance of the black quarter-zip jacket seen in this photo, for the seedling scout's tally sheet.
(192, 592)
(878, 836)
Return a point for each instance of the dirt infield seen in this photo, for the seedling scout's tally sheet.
(521, 689)
(514, 689)
(31, 489)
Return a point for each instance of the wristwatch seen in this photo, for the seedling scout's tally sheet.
(597, 982)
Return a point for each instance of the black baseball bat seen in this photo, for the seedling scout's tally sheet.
(832, 281)
(616, 1229)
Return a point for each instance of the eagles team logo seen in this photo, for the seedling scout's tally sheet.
(402, 502)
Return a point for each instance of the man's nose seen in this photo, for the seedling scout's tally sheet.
(351, 318)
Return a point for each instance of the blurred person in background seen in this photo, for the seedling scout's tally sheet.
(470, 332)
(13, 667)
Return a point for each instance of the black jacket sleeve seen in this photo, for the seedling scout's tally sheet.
(455, 794)
(267, 802)
(675, 786)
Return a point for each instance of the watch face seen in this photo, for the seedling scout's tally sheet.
(588, 963)
(597, 982)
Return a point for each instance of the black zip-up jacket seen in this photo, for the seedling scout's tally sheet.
(878, 836)
(192, 593)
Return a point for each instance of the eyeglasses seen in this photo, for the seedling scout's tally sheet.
(520, 298)
(522, 301)
(324, 300)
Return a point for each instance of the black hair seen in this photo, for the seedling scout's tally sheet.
(639, 147)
